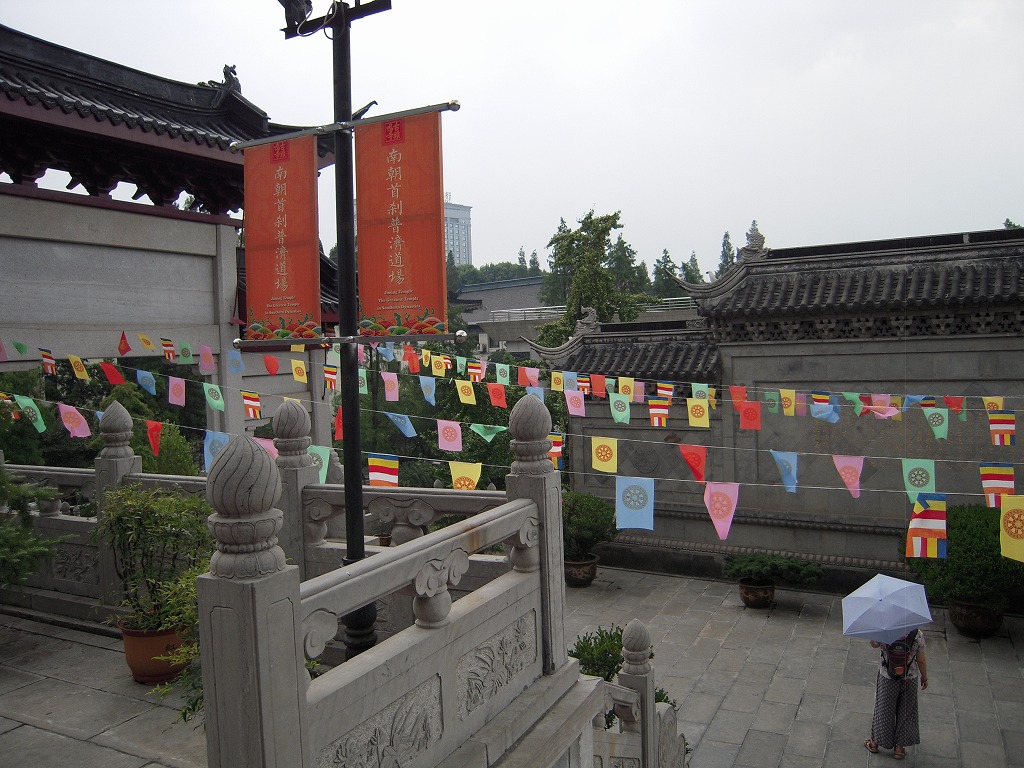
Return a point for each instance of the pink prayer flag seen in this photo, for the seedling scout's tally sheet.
(638, 392)
(361, 352)
(76, 425)
(267, 445)
(801, 403)
(497, 395)
(574, 402)
(153, 431)
(449, 435)
(3, 353)
(720, 500)
(850, 468)
(206, 363)
(175, 391)
(390, 385)
(881, 407)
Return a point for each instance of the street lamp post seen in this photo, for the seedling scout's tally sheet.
(359, 625)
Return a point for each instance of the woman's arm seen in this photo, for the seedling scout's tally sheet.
(922, 664)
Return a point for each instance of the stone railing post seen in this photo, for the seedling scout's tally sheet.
(254, 679)
(637, 674)
(533, 477)
(291, 438)
(116, 459)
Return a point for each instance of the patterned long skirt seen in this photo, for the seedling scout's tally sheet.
(895, 717)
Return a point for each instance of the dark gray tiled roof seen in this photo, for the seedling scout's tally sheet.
(649, 358)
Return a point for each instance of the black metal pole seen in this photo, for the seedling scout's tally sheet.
(360, 633)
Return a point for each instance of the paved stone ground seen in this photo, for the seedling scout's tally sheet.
(783, 687)
(780, 687)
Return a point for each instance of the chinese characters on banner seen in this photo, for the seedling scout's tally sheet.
(400, 220)
(282, 240)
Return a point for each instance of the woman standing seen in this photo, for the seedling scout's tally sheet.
(894, 722)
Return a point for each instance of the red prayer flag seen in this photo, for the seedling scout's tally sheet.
(153, 430)
(497, 393)
(123, 347)
(598, 385)
(737, 394)
(113, 375)
(750, 415)
(955, 404)
(338, 431)
(696, 457)
(272, 364)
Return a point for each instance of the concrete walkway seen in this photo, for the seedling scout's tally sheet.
(780, 687)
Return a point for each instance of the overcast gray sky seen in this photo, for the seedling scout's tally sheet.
(825, 121)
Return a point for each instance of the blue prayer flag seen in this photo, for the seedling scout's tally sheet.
(146, 381)
(214, 443)
(403, 423)
(786, 461)
(634, 502)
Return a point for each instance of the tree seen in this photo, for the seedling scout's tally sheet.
(1011, 225)
(555, 289)
(728, 257)
(534, 267)
(522, 257)
(663, 286)
(628, 276)
(691, 270)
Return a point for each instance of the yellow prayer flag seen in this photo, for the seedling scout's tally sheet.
(896, 401)
(297, 348)
(1011, 527)
(425, 357)
(788, 399)
(626, 386)
(465, 476)
(299, 371)
(697, 410)
(713, 398)
(605, 454)
(466, 393)
(557, 381)
(146, 342)
(993, 403)
(437, 365)
(78, 367)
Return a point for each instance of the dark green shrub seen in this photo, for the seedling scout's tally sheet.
(974, 569)
(586, 522)
(765, 568)
(20, 549)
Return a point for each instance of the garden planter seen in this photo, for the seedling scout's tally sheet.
(580, 573)
(755, 593)
(974, 619)
(141, 647)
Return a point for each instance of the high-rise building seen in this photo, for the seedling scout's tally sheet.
(458, 233)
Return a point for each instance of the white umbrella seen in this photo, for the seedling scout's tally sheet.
(885, 609)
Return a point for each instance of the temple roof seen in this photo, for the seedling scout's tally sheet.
(675, 357)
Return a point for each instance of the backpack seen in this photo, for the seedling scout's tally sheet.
(897, 658)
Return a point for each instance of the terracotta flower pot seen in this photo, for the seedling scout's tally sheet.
(974, 619)
(580, 573)
(140, 649)
(756, 594)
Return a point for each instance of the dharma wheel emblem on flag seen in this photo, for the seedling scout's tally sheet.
(849, 475)
(700, 394)
(918, 477)
(750, 413)
(450, 434)
(1013, 523)
(216, 446)
(362, 382)
(697, 411)
(720, 505)
(71, 418)
(177, 389)
(77, 365)
(603, 453)
(463, 483)
(234, 364)
(213, 394)
(466, 389)
(300, 371)
(318, 460)
(936, 419)
(619, 405)
(785, 466)
(635, 497)
(575, 401)
(390, 386)
(787, 402)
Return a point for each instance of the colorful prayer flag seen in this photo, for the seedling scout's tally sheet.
(22, 347)
(619, 405)
(574, 402)
(466, 394)
(206, 362)
(253, 406)
(75, 423)
(787, 397)
(214, 397)
(938, 420)
(364, 387)
(185, 355)
(236, 367)
(639, 391)
(1002, 427)
(698, 413)
(634, 502)
(321, 456)
(665, 390)
(605, 454)
(298, 370)
(926, 534)
(857, 401)
(123, 347)
(213, 443)
(383, 469)
(339, 428)
(176, 391)
(114, 376)
(449, 435)
(31, 412)
(331, 376)
(658, 407)
(557, 381)
(497, 394)
(599, 385)
(147, 381)
(696, 458)
(750, 415)
(993, 403)
(428, 386)
(626, 387)
(153, 432)
(537, 392)
(78, 367)
(48, 361)
(403, 423)
(850, 469)
(823, 408)
(267, 444)
(460, 365)
(146, 342)
(501, 374)
(583, 383)
(411, 359)
(476, 370)
(168, 347)
(786, 461)
(487, 431)
(272, 364)
(771, 401)
(570, 380)
(465, 476)
(555, 454)
(737, 394)
(996, 481)
(720, 500)
(1011, 527)
(918, 477)
(529, 377)
(437, 365)
(390, 386)
(882, 408)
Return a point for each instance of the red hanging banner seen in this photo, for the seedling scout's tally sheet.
(282, 250)
(403, 284)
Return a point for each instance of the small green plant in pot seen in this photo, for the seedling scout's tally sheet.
(156, 535)
(974, 579)
(759, 572)
(586, 522)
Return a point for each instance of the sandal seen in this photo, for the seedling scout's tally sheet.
(899, 753)
(870, 746)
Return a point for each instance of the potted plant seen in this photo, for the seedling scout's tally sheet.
(586, 522)
(974, 579)
(155, 536)
(757, 574)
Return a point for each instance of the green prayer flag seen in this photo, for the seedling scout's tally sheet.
(363, 387)
(858, 406)
(620, 407)
(214, 397)
(460, 364)
(30, 411)
(321, 457)
(487, 431)
(21, 346)
(938, 420)
(918, 477)
(185, 353)
(771, 400)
